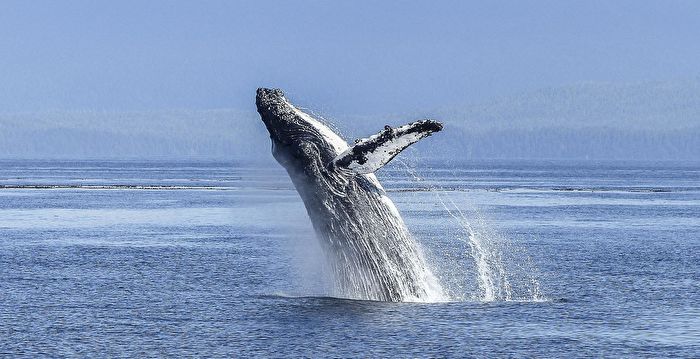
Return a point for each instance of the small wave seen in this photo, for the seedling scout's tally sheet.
(561, 300)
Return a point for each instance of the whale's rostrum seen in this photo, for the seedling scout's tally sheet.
(372, 253)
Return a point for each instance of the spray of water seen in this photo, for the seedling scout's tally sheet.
(502, 271)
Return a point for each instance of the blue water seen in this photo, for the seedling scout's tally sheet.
(219, 260)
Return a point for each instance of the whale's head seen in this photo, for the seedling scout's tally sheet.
(299, 141)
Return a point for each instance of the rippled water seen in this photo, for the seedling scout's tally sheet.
(219, 259)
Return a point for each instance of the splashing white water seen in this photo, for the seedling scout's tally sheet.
(486, 251)
(503, 272)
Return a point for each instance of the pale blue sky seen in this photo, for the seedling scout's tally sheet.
(354, 57)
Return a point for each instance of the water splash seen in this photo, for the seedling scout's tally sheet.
(502, 270)
(492, 277)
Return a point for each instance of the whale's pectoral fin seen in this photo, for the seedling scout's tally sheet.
(370, 154)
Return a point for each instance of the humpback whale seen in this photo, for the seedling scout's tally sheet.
(370, 250)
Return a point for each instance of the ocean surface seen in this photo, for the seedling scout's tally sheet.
(210, 259)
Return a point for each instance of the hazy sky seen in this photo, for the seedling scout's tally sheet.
(352, 57)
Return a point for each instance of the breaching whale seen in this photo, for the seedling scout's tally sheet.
(370, 250)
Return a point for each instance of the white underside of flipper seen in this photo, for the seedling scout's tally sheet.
(382, 154)
(370, 154)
